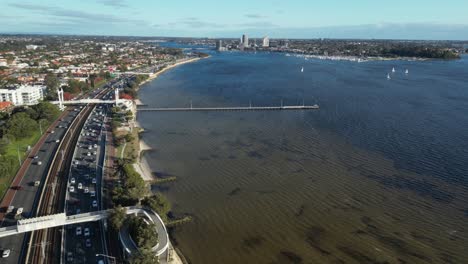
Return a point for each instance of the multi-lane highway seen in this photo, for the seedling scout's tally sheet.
(26, 195)
(82, 242)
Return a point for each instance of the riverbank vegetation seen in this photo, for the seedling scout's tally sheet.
(19, 131)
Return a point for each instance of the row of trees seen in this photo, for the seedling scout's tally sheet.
(133, 187)
(23, 123)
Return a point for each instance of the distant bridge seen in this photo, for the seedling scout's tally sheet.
(239, 108)
(85, 101)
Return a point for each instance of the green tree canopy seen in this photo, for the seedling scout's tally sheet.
(21, 125)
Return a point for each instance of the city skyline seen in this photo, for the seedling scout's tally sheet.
(294, 19)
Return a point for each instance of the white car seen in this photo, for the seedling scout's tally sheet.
(78, 231)
(72, 180)
(52, 131)
(94, 203)
(88, 154)
(86, 231)
(57, 141)
(93, 180)
(6, 253)
(92, 193)
(72, 188)
(80, 186)
(19, 211)
(86, 190)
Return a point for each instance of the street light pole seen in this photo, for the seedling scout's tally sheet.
(19, 157)
(107, 256)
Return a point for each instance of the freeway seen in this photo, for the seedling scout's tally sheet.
(27, 196)
(83, 241)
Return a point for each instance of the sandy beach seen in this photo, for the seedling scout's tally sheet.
(155, 75)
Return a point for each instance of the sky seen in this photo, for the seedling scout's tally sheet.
(389, 19)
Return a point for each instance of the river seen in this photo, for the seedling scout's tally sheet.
(378, 174)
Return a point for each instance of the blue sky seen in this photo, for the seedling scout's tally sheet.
(404, 19)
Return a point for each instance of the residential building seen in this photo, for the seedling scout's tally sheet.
(23, 95)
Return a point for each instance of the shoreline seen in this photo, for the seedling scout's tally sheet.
(142, 165)
(156, 75)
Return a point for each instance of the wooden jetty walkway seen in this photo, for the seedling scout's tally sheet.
(238, 108)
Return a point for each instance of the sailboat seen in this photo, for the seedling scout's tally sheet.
(393, 69)
(388, 76)
(406, 72)
(302, 69)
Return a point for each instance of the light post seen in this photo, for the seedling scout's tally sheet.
(19, 157)
(107, 256)
(40, 125)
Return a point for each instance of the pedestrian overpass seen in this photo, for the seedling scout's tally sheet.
(56, 220)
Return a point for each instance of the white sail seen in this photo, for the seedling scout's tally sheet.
(388, 76)
(393, 69)
(302, 69)
(406, 72)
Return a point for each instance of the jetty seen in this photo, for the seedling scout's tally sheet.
(232, 108)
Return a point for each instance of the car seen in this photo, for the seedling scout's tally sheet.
(10, 209)
(80, 186)
(88, 243)
(93, 180)
(39, 163)
(57, 140)
(86, 190)
(52, 131)
(90, 147)
(19, 211)
(37, 183)
(88, 154)
(94, 203)
(95, 145)
(72, 188)
(36, 157)
(94, 152)
(78, 210)
(6, 253)
(78, 231)
(86, 231)
(92, 193)
(70, 256)
(72, 180)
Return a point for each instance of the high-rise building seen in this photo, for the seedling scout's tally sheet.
(219, 45)
(266, 42)
(245, 41)
(22, 95)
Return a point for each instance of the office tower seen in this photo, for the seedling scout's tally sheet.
(245, 41)
(219, 45)
(266, 42)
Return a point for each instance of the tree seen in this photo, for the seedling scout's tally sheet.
(21, 125)
(144, 257)
(52, 83)
(159, 204)
(45, 110)
(117, 217)
(144, 234)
